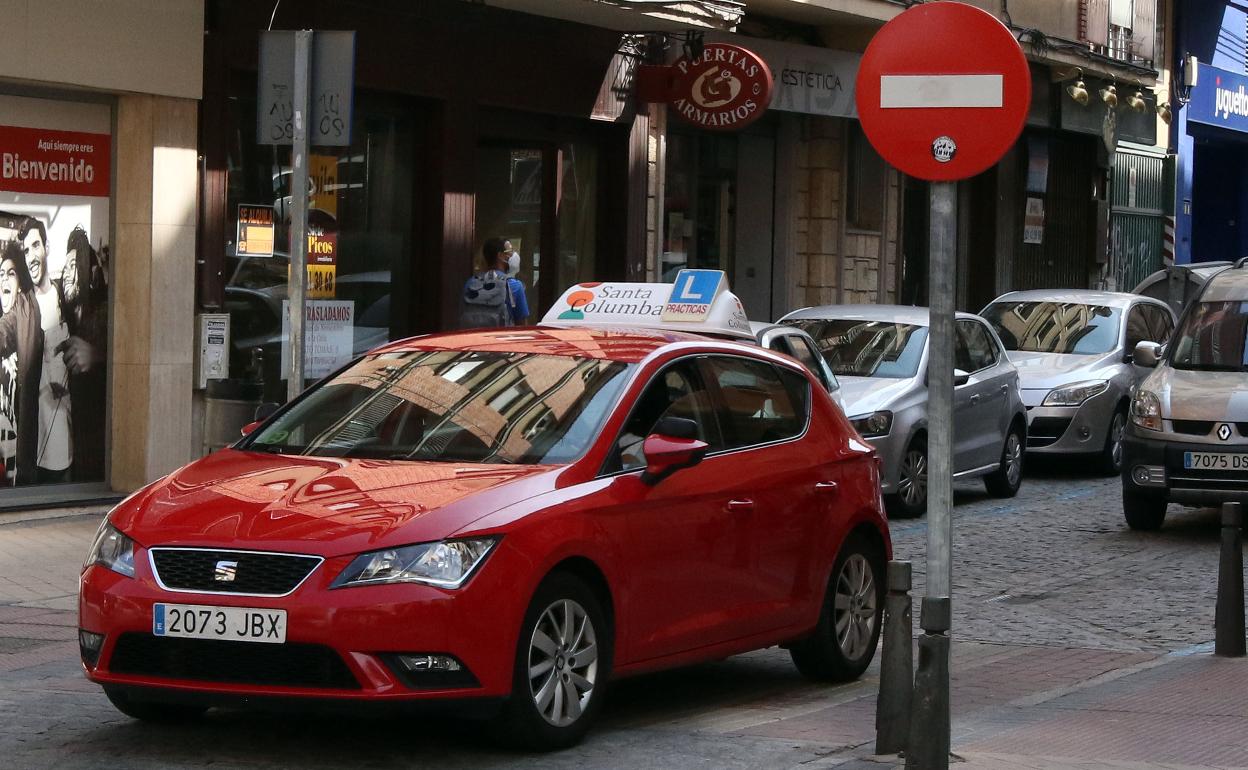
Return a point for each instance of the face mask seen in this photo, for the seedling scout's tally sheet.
(513, 263)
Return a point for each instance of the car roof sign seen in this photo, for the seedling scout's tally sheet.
(698, 301)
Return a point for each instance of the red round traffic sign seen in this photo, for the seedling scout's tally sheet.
(943, 91)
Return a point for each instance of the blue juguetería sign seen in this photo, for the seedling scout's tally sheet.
(1219, 98)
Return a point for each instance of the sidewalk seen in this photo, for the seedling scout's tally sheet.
(1015, 707)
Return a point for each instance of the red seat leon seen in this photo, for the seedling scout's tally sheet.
(509, 518)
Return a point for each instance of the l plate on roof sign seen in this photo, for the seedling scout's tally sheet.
(693, 291)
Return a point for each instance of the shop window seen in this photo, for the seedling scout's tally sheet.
(360, 214)
(699, 208)
(865, 182)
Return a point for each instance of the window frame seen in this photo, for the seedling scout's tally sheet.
(721, 402)
(973, 323)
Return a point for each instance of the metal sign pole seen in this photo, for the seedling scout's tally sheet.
(299, 209)
(930, 721)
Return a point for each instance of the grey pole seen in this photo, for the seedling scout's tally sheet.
(299, 209)
(892, 709)
(1228, 622)
(930, 720)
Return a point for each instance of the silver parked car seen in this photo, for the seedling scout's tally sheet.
(1073, 350)
(879, 353)
(794, 342)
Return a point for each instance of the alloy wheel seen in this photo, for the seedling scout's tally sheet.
(855, 605)
(1013, 459)
(912, 486)
(1116, 430)
(563, 662)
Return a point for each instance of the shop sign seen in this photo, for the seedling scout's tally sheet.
(725, 89)
(255, 234)
(1219, 98)
(333, 78)
(322, 261)
(809, 80)
(323, 181)
(1033, 221)
(44, 160)
(329, 329)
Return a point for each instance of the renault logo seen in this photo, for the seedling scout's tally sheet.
(1224, 432)
(226, 571)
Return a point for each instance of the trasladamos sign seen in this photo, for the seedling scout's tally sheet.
(725, 89)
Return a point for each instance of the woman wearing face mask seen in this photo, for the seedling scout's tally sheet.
(21, 358)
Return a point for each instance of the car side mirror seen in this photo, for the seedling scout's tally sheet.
(266, 410)
(673, 446)
(250, 427)
(1146, 354)
(960, 378)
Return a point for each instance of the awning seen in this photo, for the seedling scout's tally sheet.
(635, 15)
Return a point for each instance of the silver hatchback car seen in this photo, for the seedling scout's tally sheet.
(879, 354)
(1074, 354)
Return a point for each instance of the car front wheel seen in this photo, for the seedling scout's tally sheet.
(1143, 511)
(563, 658)
(1111, 455)
(844, 642)
(1008, 477)
(910, 500)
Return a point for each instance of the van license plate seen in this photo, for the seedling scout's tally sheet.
(238, 624)
(1215, 461)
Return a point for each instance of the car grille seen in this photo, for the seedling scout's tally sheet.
(261, 574)
(1046, 430)
(1192, 427)
(213, 660)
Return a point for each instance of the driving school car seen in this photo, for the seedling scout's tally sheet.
(504, 519)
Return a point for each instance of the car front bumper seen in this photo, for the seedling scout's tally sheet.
(1071, 429)
(341, 644)
(1153, 464)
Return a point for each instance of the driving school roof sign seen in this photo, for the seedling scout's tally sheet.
(726, 88)
(937, 105)
(698, 301)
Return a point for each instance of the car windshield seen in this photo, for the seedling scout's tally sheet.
(452, 406)
(1055, 327)
(855, 348)
(1214, 337)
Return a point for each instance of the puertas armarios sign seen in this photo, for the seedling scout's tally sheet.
(726, 88)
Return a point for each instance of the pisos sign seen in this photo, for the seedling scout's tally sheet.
(724, 89)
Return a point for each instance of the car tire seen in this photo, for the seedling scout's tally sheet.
(910, 499)
(1008, 477)
(1143, 511)
(844, 641)
(1111, 455)
(536, 716)
(138, 707)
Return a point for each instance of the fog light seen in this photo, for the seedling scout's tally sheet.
(422, 663)
(1084, 432)
(89, 645)
(1149, 475)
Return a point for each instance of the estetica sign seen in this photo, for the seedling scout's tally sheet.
(42, 160)
(725, 89)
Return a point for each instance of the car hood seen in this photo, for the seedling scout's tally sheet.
(324, 505)
(1045, 371)
(863, 395)
(1195, 395)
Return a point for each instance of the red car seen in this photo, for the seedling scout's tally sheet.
(512, 518)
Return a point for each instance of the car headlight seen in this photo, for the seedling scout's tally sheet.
(1146, 410)
(1075, 395)
(446, 564)
(112, 549)
(873, 425)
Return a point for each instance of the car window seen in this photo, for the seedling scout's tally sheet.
(1137, 327)
(857, 348)
(1055, 327)
(1160, 326)
(756, 405)
(975, 347)
(1213, 338)
(677, 391)
(797, 347)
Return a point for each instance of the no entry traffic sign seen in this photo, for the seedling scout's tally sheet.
(943, 91)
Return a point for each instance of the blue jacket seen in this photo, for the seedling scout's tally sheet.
(517, 303)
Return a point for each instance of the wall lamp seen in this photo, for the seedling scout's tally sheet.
(1109, 95)
(1078, 90)
(1164, 112)
(1136, 101)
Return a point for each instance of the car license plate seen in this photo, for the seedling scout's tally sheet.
(1215, 461)
(239, 624)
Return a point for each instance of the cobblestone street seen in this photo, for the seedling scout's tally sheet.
(1064, 620)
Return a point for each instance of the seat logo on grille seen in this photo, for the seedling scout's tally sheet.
(1224, 432)
(226, 571)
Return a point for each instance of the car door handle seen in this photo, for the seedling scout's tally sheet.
(1005, 388)
(974, 399)
(739, 506)
(825, 487)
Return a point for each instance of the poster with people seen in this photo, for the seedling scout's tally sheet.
(54, 273)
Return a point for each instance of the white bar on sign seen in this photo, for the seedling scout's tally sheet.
(903, 91)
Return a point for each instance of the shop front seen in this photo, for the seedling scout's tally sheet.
(461, 132)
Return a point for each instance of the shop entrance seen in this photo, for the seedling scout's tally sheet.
(1218, 207)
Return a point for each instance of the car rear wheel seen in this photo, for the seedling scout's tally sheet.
(1143, 511)
(138, 707)
(1111, 455)
(563, 659)
(1008, 477)
(910, 500)
(844, 642)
